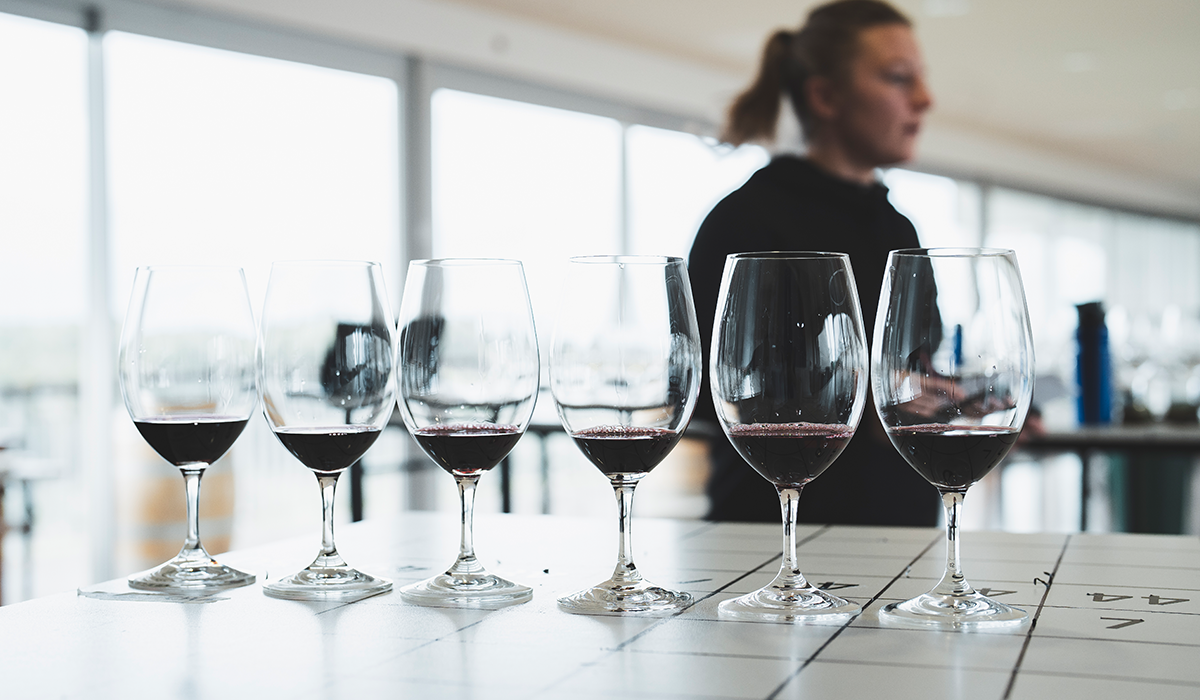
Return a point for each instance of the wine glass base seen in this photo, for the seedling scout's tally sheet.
(775, 604)
(341, 584)
(483, 592)
(620, 598)
(195, 576)
(972, 610)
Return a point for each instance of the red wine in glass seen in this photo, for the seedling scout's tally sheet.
(469, 375)
(625, 376)
(326, 371)
(952, 457)
(952, 374)
(187, 370)
(625, 449)
(468, 448)
(328, 450)
(183, 440)
(789, 384)
(790, 455)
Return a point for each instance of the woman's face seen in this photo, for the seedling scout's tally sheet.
(878, 110)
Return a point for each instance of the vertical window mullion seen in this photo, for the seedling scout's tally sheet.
(97, 358)
(417, 163)
(626, 220)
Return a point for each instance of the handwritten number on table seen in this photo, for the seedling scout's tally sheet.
(993, 592)
(1152, 598)
(1164, 600)
(834, 585)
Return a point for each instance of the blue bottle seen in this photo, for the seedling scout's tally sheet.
(1094, 366)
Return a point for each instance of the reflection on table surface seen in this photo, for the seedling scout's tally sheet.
(1117, 616)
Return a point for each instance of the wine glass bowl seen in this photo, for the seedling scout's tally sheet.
(326, 360)
(625, 372)
(468, 383)
(952, 373)
(187, 373)
(789, 381)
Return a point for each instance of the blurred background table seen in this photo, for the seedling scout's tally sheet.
(1116, 616)
(1156, 437)
(1146, 476)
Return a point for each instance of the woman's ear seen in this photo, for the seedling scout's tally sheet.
(822, 98)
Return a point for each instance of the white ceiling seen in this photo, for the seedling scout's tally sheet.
(1113, 82)
(1095, 100)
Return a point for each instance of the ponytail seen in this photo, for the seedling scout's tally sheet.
(825, 46)
(755, 113)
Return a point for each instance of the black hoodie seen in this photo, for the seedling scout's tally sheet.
(792, 205)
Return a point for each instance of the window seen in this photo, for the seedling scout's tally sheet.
(224, 157)
(43, 277)
(517, 180)
(520, 180)
(675, 178)
(944, 211)
(1143, 269)
(214, 156)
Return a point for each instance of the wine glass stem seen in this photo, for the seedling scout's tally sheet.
(466, 564)
(192, 548)
(329, 556)
(789, 570)
(953, 582)
(626, 570)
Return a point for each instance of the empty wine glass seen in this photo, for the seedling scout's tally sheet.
(468, 384)
(789, 380)
(326, 363)
(952, 373)
(625, 372)
(188, 377)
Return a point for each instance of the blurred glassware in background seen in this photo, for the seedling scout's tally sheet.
(1156, 358)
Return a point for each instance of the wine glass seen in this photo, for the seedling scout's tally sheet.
(625, 372)
(325, 367)
(468, 384)
(188, 378)
(952, 373)
(789, 380)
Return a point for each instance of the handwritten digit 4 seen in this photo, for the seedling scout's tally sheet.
(1163, 600)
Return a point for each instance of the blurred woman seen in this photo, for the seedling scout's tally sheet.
(854, 78)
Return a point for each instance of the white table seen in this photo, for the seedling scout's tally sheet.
(1116, 616)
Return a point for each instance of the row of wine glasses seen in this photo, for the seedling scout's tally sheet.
(952, 377)
(625, 375)
(191, 368)
(951, 374)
